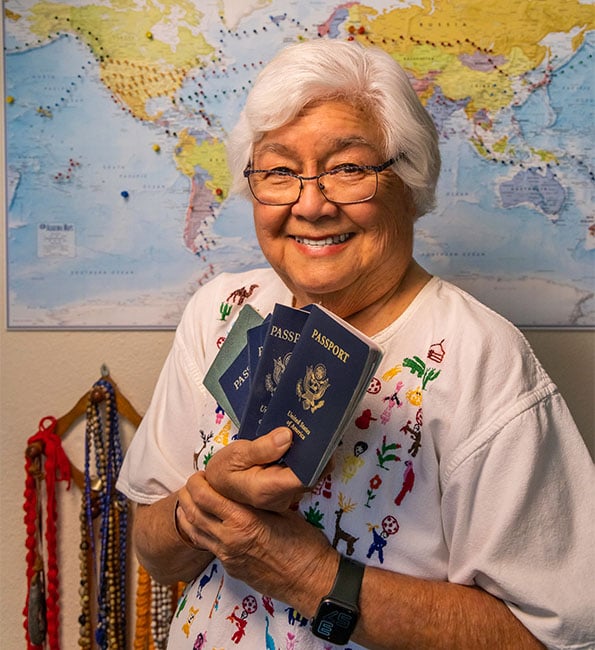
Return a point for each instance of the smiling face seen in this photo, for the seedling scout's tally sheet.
(345, 256)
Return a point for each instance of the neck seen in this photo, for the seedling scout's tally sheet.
(371, 309)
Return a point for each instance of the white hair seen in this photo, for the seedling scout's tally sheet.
(369, 77)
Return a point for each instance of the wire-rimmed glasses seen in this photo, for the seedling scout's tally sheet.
(343, 184)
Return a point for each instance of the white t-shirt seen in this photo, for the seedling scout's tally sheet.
(462, 464)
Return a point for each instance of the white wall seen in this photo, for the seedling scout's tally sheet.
(44, 373)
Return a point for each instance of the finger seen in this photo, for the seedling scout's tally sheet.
(269, 448)
(194, 522)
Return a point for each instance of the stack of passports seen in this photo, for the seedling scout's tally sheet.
(305, 369)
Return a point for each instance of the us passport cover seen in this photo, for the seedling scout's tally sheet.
(281, 336)
(330, 369)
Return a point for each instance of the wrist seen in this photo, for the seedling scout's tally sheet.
(338, 611)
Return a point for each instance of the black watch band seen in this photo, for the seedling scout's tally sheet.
(348, 581)
(338, 611)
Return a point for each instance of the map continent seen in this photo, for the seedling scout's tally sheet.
(119, 202)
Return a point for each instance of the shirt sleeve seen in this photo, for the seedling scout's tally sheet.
(519, 519)
(159, 458)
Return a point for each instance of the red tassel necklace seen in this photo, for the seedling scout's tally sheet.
(41, 611)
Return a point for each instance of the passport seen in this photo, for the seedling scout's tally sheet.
(330, 369)
(235, 383)
(282, 333)
(233, 345)
(256, 336)
(306, 369)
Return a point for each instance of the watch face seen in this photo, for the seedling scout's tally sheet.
(334, 622)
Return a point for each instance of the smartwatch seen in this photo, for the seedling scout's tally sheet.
(338, 611)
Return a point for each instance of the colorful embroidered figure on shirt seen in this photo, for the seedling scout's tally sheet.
(340, 534)
(240, 624)
(414, 396)
(293, 617)
(206, 438)
(268, 639)
(191, 614)
(363, 421)
(249, 606)
(390, 526)
(393, 400)
(205, 579)
(436, 352)
(208, 456)
(351, 464)
(215, 605)
(375, 483)
(314, 516)
(384, 454)
(418, 367)
(222, 438)
(239, 295)
(200, 642)
(375, 386)
(268, 604)
(408, 480)
(391, 373)
(182, 603)
(324, 487)
(415, 433)
(224, 310)
(377, 545)
(219, 414)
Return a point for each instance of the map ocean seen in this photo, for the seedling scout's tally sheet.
(99, 206)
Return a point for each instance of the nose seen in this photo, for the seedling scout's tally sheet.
(312, 205)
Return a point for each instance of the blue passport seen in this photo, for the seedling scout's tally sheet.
(235, 382)
(256, 336)
(282, 334)
(330, 369)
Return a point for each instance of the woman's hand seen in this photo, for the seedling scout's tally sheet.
(246, 471)
(239, 510)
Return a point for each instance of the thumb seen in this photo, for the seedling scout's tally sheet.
(270, 447)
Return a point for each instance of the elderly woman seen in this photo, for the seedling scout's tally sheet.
(453, 513)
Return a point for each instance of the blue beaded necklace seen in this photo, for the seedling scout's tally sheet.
(103, 511)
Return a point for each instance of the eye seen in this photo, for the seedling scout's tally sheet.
(282, 171)
(277, 176)
(347, 168)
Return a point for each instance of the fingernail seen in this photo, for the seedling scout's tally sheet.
(282, 437)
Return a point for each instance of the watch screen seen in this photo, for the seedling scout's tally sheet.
(334, 623)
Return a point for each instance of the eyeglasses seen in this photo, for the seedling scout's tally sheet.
(343, 184)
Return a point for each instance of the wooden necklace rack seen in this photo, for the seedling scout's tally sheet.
(103, 523)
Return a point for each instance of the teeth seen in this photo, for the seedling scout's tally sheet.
(328, 241)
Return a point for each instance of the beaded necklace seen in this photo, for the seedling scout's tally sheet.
(41, 612)
(155, 607)
(104, 523)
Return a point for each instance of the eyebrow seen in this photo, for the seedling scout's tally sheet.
(335, 145)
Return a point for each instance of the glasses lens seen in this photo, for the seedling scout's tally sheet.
(274, 188)
(349, 185)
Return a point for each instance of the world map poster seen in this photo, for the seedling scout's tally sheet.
(117, 114)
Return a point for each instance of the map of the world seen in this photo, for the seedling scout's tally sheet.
(117, 113)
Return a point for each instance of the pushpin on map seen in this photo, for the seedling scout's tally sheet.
(149, 35)
(10, 99)
(124, 194)
(156, 148)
